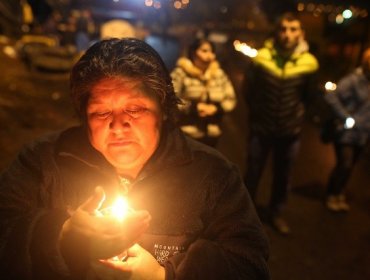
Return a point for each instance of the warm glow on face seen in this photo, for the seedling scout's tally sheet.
(124, 123)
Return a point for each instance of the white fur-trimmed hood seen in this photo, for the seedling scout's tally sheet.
(187, 65)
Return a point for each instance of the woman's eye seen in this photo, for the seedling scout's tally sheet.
(135, 113)
(101, 115)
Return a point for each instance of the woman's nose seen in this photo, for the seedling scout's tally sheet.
(120, 121)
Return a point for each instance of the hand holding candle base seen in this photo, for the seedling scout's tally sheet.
(122, 212)
(140, 265)
(88, 234)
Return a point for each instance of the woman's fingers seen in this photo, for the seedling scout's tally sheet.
(94, 202)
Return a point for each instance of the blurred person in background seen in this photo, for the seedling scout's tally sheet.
(278, 86)
(205, 90)
(199, 221)
(350, 102)
(85, 29)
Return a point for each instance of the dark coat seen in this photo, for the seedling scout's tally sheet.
(203, 226)
(278, 89)
(352, 99)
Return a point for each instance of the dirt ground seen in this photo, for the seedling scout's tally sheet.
(31, 104)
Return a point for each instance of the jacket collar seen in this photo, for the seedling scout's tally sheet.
(193, 71)
(301, 48)
(173, 150)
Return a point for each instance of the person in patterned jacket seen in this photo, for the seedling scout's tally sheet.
(205, 90)
(279, 84)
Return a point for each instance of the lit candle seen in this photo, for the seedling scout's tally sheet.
(119, 210)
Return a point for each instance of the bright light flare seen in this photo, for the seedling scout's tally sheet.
(330, 86)
(347, 14)
(10, 51)
(177, 5)
(349, 123)
(119, 210)
(339, 19)
(245, 49)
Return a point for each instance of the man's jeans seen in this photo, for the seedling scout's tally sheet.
(346, 157)
(284, 151)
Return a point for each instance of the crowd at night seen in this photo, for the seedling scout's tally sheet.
(184, 139)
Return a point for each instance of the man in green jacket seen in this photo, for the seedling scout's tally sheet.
(280, 82)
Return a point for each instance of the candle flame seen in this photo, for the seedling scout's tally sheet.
(120, 208)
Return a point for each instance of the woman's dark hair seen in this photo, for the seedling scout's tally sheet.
(127, 58)
(196, 44)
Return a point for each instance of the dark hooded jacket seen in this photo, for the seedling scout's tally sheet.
(278, 89)
(203, 225)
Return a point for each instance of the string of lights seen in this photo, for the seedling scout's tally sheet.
(158, 4)
(337, 14)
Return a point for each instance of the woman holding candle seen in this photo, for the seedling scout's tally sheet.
(191, 217)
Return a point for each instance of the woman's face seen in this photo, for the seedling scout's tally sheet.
(205, 53)
(124, 123)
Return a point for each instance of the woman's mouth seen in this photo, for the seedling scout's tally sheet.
(120, 143)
